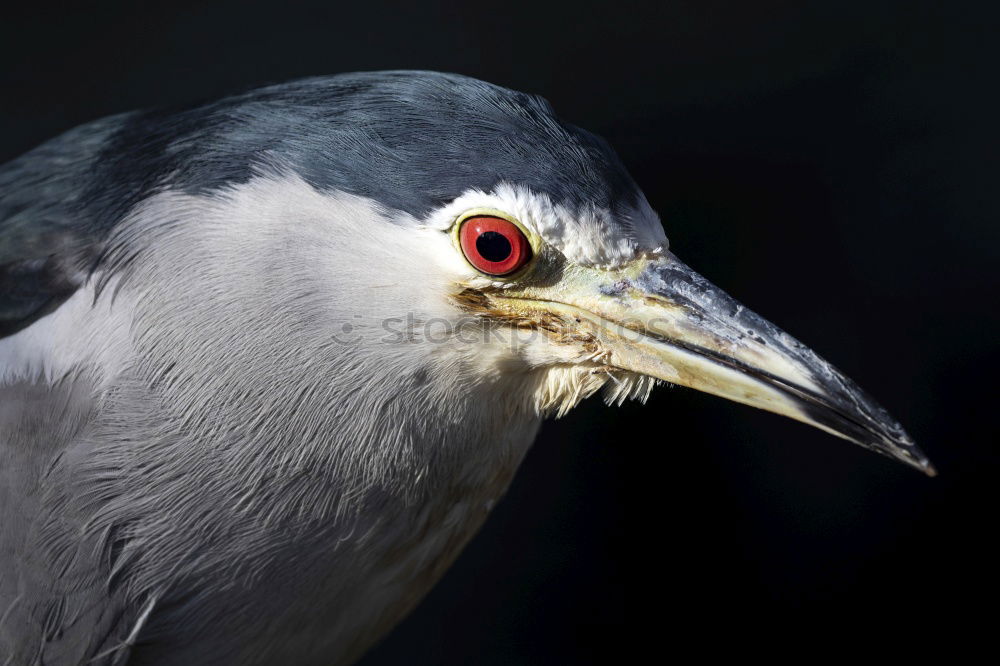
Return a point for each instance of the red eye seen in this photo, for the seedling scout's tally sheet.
(494, 245)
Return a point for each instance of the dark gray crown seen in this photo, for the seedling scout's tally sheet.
(410, 140)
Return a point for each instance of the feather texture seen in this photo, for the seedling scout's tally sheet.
(260, 430)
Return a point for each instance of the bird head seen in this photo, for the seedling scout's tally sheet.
(457, 241)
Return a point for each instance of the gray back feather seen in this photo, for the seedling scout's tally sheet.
(49, 241)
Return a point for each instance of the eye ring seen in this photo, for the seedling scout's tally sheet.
(493, 245)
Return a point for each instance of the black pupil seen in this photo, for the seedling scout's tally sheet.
(493, 246)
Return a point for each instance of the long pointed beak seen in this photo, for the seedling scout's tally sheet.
(660, 318)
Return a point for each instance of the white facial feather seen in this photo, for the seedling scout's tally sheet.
(89, 330)
(588, 237)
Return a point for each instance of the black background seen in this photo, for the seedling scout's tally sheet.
(833, 166)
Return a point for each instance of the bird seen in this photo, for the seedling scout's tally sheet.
(267, 363)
